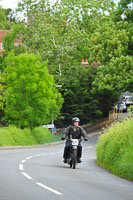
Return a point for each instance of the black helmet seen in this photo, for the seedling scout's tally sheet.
(75, 119)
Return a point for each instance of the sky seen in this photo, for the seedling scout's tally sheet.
(9, 3)
(13, 3)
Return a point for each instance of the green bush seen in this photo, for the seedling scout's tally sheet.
(12, 136)
(43, 135)
(115, 149)
(125, 163)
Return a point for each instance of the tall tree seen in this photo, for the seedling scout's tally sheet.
(78, 99)
(60, 31)
(111, 81)
(31, 95)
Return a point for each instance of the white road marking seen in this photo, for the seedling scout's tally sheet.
(23, 161)
(50, 189)
(21, 167)
(28, 157)
(27, 176)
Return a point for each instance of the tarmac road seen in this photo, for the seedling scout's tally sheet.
(40, 174)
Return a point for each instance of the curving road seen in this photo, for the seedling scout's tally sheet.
(39, 173)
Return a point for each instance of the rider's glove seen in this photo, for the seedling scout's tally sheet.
(63, 138)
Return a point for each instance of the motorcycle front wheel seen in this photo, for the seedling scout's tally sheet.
(74, 160)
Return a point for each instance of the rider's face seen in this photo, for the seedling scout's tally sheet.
(76, 123)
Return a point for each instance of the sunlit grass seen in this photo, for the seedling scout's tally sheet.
(12, 136)
(115, 149)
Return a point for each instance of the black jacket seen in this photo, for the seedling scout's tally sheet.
(77, 132)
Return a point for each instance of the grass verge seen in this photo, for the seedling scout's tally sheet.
(115, 149)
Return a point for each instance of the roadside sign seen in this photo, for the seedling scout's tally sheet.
(59, 86)
(48, 126)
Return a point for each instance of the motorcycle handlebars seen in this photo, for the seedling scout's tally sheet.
(70, 139)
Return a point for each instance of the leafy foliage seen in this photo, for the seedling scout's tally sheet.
(76, 91)
(111, 80)
(43, 135)
(31, 95)
(124, 11)
(1, 94)
(13, 136)
(63, 33)
(110, 40)
(115, 149)
(4, 23)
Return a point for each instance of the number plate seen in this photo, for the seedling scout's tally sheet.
(75, 142)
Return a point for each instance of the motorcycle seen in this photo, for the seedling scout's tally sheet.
(72, 158)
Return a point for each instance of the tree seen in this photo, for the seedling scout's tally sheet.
(60, 31)
(9, 41)
(1, 93)
(31, 95)
(110, 40)
(123, 14)
(78, 99)
(4, 23)
(123, 11)
(112, 80)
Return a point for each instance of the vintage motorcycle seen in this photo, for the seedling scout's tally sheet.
(72, 158)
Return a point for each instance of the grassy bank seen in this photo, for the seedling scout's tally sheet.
(12, 136)
(115, 149)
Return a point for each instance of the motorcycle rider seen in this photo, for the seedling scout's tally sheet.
(73, 131)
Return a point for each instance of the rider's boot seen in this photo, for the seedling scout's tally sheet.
(65, 160)
(79, 160)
